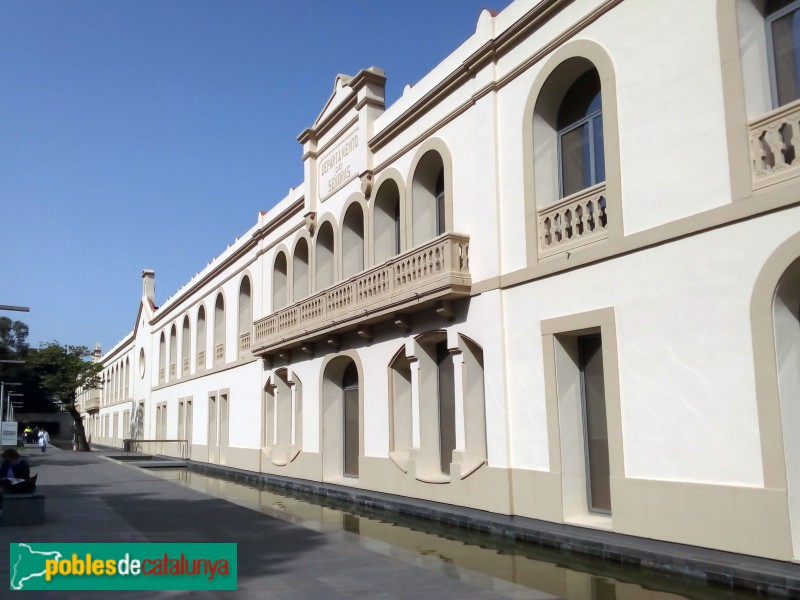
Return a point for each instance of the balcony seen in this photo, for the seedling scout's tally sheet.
(775, 144)
(91, 404)
(438, 270)
(574, 221)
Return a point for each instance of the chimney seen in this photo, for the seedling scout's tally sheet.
(149, 285)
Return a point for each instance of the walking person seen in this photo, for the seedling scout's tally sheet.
(44, 438)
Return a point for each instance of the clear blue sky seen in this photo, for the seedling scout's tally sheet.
(149, 133)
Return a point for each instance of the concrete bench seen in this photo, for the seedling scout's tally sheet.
(22, 509)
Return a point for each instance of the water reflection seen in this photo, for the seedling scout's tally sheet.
(480, 559)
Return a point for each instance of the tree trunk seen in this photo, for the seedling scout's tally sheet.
(80, 444)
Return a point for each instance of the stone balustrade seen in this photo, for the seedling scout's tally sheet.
(574, 221)
(244, 343)
(185, 368)
(435, 270)
(775, 141)
(201, 360)
(219, 354)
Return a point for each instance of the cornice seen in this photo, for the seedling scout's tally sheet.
(269, 227)
(491, 51)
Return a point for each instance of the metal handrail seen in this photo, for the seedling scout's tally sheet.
(184, 445)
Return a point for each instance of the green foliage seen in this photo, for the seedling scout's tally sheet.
(63, 369)
(13, 336)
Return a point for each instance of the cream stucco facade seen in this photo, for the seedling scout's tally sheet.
(557, 279)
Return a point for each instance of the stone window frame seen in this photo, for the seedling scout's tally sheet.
(564, 411)
(540, 179)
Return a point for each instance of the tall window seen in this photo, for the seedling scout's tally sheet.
(219, 330)
(386, 222)
(580, 136)
(447, 406)
(590, 348)
(428, 198)
(201, 339)
(245, 316)
(325, 265)
(173, 353)
(350, 405)
(300, 278)
(353, 241)
(162, 358)
(280, 282)
(186, 347)
(782, 19)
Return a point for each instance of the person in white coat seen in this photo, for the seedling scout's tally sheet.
(44, 438)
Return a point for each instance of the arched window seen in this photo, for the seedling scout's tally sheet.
(428, 198)
(386, 222)
(325, 268)
(173, 353)
(127, 377)
(219, 330)
(581, 156)
(571, 144)
(245, 316)
(782, 18)
(300, 279)
(201, 339)
(186, 347)
(351, 420)
(162, 359)
(353, 241)
(280, 282)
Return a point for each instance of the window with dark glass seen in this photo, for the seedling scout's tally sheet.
(580, 136)
(782, 18)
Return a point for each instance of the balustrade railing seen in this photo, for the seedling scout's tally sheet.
(444, 260)
(201, 360)
(573, 221)
(161, 375)
(775, 141)
(219, 354)
(244, 343)
(172, 371)
(185, 367)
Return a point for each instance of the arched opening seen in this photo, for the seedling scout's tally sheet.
(280, 282)
(162, 359)
(202, 338)
(219, 330)
(127, 377)
(300, 279)
(325, 264)
(786, 323)
(386, 222)
(353, 241)
(350, 420)
(245, 320)
(401, 427)
(341, 418)
(428, 198)
(173, 353)
(186, 347)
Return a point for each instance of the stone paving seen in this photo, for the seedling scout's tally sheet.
(92, 499)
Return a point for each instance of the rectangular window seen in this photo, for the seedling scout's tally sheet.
(598, 480)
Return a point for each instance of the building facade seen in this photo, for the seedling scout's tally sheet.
(558, 278)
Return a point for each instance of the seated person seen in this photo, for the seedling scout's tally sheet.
(14, 472)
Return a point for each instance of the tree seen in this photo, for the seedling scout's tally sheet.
(61, 371)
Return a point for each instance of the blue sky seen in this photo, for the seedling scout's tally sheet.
(149, 133)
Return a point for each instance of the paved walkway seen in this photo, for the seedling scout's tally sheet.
(92, 499)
